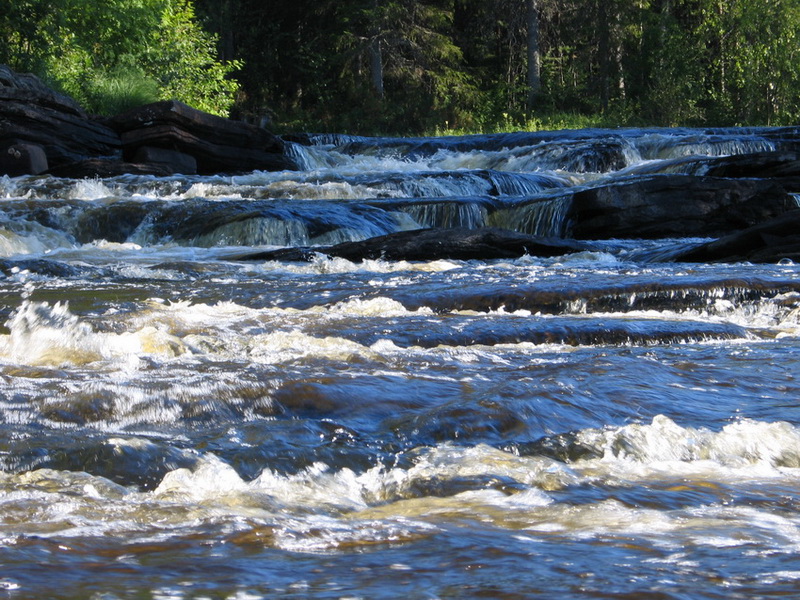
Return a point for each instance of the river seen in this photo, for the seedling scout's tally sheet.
(176, 424)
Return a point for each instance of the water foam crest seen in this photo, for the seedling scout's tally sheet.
(447, 462)
(211, 479)
(374, 307)
(287, 346)
(44, 334)
(8, 187)
(89, 189)
(18, 236)
(738, 446)
(323, 264)
(318, 489)
(41, 334)
(321, 189)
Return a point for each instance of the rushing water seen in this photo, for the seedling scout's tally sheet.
(177, 424)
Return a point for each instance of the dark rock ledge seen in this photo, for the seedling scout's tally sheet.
(42, 131)
(773, 241)
(432, 244)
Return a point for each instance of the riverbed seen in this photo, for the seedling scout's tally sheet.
(177, 423)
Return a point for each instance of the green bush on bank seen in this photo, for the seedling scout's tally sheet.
(111, 55)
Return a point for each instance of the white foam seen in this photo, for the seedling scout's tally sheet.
(375, 307)
(41, 334)
(742, 450)
(89, 189)
(326, 265)
(287, 346)
(25, 237)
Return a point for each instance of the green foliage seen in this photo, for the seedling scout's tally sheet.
(182, 58)
(123, 88)
(407, 66)
(114, 54)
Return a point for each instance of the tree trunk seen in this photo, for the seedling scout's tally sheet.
(376, 67)
(619, 53)
(603, 47)
(534, 57)
(376, 55)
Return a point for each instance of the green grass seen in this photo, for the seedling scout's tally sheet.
(115, 93)
(552, 121)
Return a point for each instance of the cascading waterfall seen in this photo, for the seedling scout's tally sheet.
(447, 214)
(544, 217)
(664, 147)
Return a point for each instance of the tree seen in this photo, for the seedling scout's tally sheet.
(182, 58)
(110, 54)
(401, 65)
(534, 56)
(753, 56)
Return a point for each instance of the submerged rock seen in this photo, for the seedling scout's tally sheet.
(758, 164)
(46, 267)
(104, 167)
(433, 244)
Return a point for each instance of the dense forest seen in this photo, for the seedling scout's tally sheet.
(411, 66)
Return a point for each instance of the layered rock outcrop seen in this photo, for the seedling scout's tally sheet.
(42, 131)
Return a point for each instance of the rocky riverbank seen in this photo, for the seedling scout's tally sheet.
(42, 131)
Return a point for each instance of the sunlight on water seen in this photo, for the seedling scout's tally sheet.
(89, 189)
(323, 508)
(178, 422)
(50, 335)
(669, 146)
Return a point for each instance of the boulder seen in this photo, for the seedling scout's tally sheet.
(22, 159)
(771, 241)
(217, 144)
(29, 87)
(161, 138)
(663, 206)
(433, 244)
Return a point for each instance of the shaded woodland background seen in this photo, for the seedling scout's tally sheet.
(426, 66)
